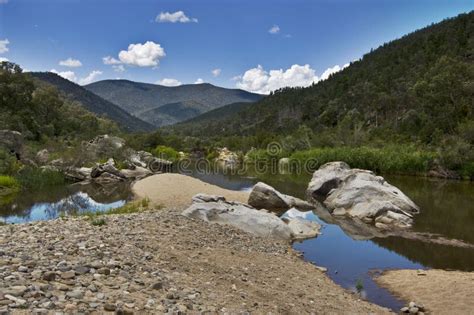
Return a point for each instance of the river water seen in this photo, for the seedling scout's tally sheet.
(350, 254)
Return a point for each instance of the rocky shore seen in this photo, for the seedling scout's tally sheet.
(157, 262)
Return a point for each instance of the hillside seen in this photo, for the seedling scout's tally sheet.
(93, 103)
(417, 89)
(143, 99)
(41, 113)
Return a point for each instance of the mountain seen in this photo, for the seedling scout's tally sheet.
(93, 103)
(181, 102)
(192, 127)
(416, 89)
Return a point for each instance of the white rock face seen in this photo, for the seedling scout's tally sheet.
(264, 196)
(361, 194)
(215, 209)
(301, 228)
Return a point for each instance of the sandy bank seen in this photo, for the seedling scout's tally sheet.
(440, 291)
(176, 190)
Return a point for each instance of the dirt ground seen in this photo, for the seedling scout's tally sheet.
(440, 291)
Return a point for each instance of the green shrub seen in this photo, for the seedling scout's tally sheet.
(8, 163)
(37, 178)
(392, 159)
(167, 153)
(8, 185)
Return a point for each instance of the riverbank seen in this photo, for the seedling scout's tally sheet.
(177, 190)
(440, 291)
(158, 261)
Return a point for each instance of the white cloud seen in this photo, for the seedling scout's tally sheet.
(108, 60)
(168, 82)
(3, 45)
(90, 77)
(199, 81)
(275, 29)
(68, 75)
(142, 55)
(216, 72)
(261, 81)
(118, 68)
(176, 17)
(4, 59)
(69, 62)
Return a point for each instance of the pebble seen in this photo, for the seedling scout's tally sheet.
(68, 274)
(49, 276)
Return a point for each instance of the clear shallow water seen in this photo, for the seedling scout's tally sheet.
(53, 202)
(447, 209)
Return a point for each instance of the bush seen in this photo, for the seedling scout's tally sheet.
(8, 185)
(167, 153)
(8, 163)
(392, 159)
(37, 178)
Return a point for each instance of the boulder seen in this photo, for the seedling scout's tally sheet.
(77, 174)
(264, 196)
(361, 194)
(107, 167)
(42, 156)
(227, 157)
(157, 165)
(241, 216)
(104, 145)
(107, 178)
(136, 173)
(12, 141)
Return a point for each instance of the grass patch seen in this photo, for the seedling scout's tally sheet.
(37, 178)
(8, 185)
(98, 222)
(392, 159)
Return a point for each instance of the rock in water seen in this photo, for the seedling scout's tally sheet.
(362, 195)
(264, 196)
(241, 216)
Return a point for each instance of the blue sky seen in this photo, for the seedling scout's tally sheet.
(230, 35)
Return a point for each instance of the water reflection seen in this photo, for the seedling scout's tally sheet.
(53, 202)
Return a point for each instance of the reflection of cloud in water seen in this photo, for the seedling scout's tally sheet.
(76, 203)
(295, 213)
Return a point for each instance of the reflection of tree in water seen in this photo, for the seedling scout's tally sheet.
(51, 203)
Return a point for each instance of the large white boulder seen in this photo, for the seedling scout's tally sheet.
(361, 194)
(264, 196)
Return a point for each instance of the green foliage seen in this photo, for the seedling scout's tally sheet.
(8, 185)
(37, 178)
(390, 159)
(359, 286)
(8, 163)
(167, 153)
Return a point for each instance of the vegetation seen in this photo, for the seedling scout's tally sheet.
(167, 153)
(416, 91)
(8, 163)
(162, 105)
(37, 178)
(8, 185)
(97, 218)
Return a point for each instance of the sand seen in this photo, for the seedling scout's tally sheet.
(177, 190)
(440, 291)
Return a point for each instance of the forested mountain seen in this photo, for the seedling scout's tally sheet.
(182, 102)
(40, 112)
(417, 89)
(92, 102)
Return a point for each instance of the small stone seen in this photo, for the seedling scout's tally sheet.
(69, 307)
(15, 299)
(76, 294)
(23, 269)
(49, 276)
(157, 286)
(16, 290)
(104, 271)
(411, 304)
(109, 307)
(404, 310)
(68, 274)
(414, 310)
(80, 270)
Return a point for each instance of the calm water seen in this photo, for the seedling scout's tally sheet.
(53, 202)
(351, 255)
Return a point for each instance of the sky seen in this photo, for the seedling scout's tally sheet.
(255, 45)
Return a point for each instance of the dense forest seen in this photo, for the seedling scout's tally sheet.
(416, 90)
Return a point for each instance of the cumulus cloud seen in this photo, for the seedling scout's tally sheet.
(168, 82)
(68, 75)
(108, 60)
(69, 62)
(275, 29)
(3, 45)
(142, 55)
(90, 77)
(261, 81)
(199, 81)
(5, 59)
(175, 17)
(216, 72)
